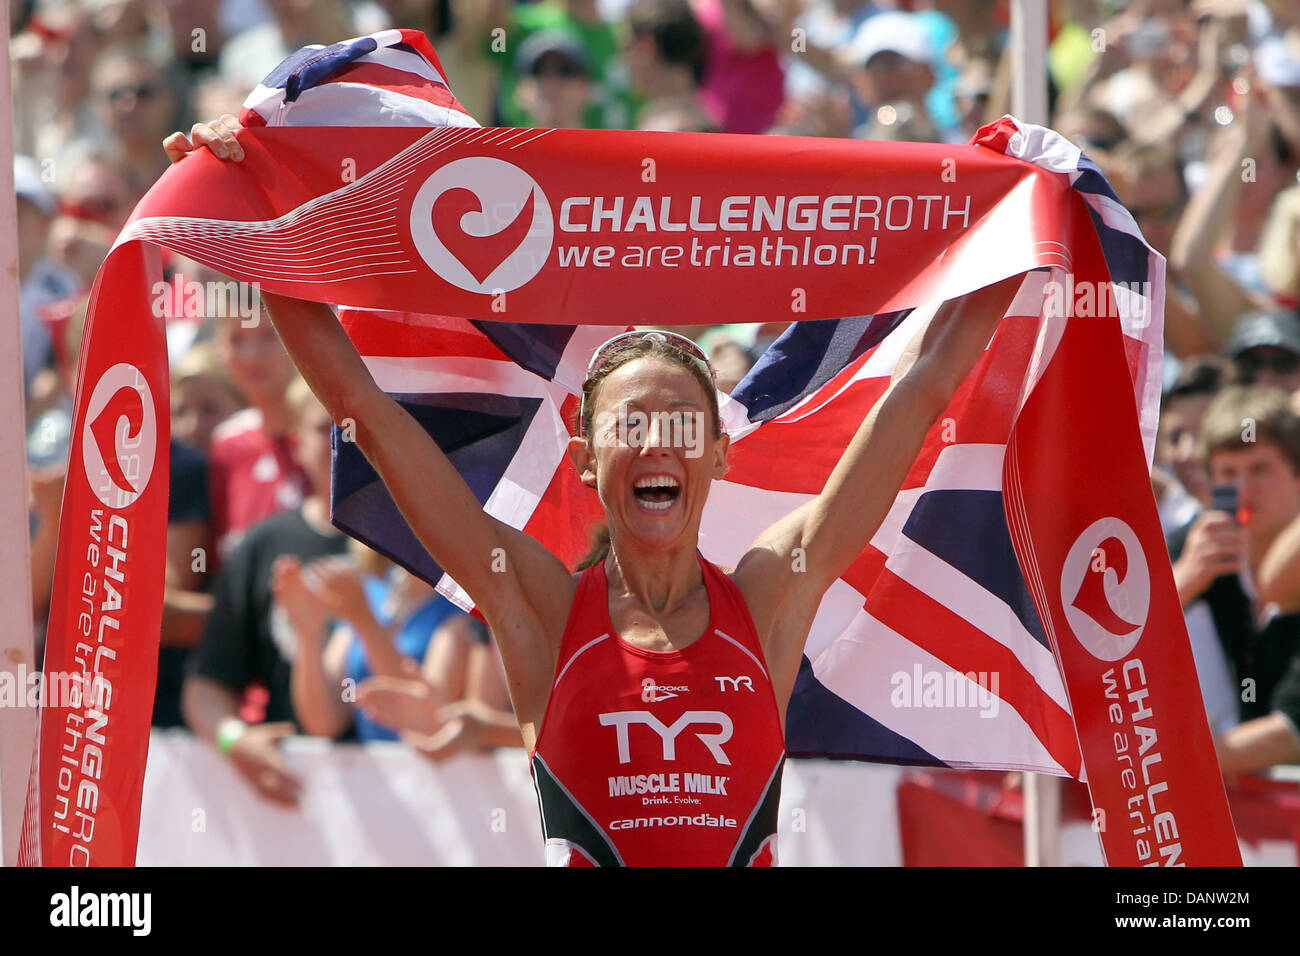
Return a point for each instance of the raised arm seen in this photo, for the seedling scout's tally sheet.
(522, 589)
(440, 508)
(835, 527)
(1208, 214)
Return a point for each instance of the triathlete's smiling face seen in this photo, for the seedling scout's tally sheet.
(651, 453)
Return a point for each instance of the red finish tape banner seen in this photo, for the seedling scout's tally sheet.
(101, 650)
(365, 184)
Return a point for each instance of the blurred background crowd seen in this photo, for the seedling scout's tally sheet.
(1190, 107)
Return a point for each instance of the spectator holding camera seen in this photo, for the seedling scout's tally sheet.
(1250, 676)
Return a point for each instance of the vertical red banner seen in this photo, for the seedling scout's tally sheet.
(1088, 537)
(101, 651)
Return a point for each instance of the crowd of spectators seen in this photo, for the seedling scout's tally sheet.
(274, 623)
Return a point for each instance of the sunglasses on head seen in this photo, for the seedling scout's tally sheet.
(627, 340)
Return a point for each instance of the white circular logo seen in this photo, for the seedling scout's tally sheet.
(1106, 589)
(120, 436)
(482, 224)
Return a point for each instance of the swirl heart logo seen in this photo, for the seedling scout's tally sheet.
(119, 439)
(1106, 589)
(482, 224)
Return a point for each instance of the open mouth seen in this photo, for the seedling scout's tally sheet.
(656, 492)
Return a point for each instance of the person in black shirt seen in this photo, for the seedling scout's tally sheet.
(1250, 439)
(243, 641)
(183, 604)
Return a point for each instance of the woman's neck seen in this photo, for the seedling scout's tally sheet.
(661, 580)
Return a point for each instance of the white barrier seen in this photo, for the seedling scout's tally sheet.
(383, 805)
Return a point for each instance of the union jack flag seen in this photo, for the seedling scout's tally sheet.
(1016, 591)
(937, 605)
(392, 78)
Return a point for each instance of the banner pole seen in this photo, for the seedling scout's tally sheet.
(1029, 61)
(1029, 103)
(17, 647)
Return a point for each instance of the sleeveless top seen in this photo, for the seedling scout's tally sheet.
(413, 641)
(659, 758)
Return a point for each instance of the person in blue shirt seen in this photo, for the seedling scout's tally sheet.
(348, 621)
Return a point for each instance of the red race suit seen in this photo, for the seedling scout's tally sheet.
(660, 758)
